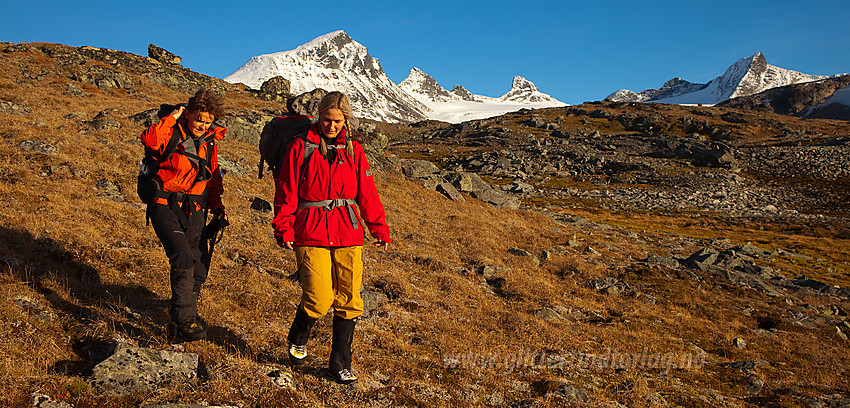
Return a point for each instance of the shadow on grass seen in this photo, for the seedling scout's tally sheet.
(75, 289)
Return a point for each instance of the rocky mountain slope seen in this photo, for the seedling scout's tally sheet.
(746, 77)
(607, 254)
(817, 99)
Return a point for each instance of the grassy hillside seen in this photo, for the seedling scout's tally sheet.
(79, 267)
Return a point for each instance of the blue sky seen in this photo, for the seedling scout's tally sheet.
(575, 51)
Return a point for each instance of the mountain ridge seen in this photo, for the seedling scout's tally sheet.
(747, 76)
(335, 61)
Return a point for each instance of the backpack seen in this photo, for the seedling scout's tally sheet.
(276, 136)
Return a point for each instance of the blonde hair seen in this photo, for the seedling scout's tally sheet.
(338, 100)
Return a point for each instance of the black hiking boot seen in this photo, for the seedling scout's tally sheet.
(298, 335)
(185, 332)
(339, 365)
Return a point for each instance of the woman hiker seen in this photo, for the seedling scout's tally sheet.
(189, 181)
(315, 216)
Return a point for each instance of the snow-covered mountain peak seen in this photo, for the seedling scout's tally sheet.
(335, 62)
(335, 39)
(425, 88)
(524, 91)
(747, 76)
(464, 94)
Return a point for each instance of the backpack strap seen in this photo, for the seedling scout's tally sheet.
(170, 148)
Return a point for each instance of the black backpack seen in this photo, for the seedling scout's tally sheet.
(276, 136)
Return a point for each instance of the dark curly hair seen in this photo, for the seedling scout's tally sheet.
(206, 101)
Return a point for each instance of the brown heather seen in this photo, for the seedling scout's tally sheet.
(100, 273)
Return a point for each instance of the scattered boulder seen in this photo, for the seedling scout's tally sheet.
(519, 187)
(609, 286)
(498, 199)
(524, 253)
(449, 191)
(107, 189)
(258, 204)
(133, 369)
(468, 182)
(73, 90)
(418, 169)
(104, 78)
(372, 299)
(11, 108)
(548, 314)
(162, 55)
(282, 377)
(228, 166)
(39, 400)
(31, 307)
(307, 103)
(275, 88)
(38, 147)
(739, 269)
(754, 383)
(489, 271)
(557, 389)
(105, 121)
(666, 261)
(245, 126)
(146, 118)
(742, 270)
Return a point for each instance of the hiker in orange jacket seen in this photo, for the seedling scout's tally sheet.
(190, 182)
(316, 217)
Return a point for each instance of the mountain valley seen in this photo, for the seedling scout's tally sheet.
(605, 254)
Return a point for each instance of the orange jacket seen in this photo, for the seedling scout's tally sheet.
(178, 172)
(318, 180)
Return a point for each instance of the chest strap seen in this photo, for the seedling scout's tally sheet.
(328, 205)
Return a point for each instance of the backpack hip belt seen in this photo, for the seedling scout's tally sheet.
(328, 205)
(182, 204)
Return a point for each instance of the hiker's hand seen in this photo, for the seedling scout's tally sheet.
(288, 245)
(382, 244)
(177, 112)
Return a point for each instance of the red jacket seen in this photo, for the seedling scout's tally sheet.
(319, 180)
(178, 172)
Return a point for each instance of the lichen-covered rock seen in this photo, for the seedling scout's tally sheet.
(11, 108)
(132, 369)
(38, 147)
(307, 103)
(162, 55)
(276, 85)
(418, 169)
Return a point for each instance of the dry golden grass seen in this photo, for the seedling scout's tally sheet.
(100, 272)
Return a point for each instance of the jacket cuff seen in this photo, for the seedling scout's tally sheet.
(287, 236)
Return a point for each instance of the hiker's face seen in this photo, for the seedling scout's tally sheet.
(332, 122)
(199, 122)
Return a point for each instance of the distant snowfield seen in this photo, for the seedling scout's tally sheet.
(841, 96)
(462, 111)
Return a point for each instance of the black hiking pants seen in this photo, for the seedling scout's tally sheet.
(182, 247)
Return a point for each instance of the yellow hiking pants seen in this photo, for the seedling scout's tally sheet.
(331, 277)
